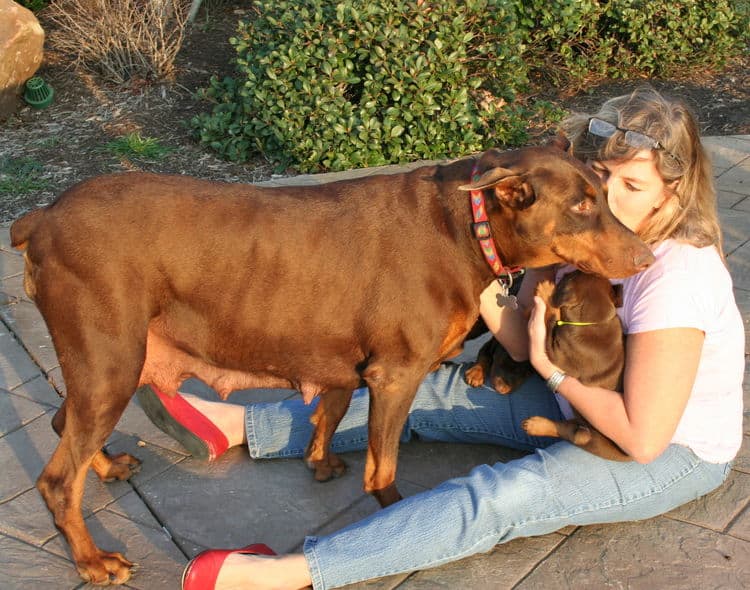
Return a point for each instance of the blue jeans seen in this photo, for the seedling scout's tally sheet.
(555, 486)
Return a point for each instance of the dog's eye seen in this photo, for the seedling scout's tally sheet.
(584, 206)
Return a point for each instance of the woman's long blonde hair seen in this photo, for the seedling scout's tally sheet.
(689, 212)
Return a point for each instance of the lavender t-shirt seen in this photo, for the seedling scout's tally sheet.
(689, 287)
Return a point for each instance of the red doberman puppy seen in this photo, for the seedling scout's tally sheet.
(585, 339)
(148, 279)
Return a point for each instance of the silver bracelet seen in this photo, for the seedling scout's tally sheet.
(555, 380)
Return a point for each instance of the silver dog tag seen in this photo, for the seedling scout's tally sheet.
(504, 299)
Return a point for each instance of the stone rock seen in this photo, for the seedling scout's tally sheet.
(21, 45)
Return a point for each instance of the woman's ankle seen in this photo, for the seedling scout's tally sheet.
(252, 572)
(226, 416)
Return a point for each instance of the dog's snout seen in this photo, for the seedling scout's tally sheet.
(643, 260)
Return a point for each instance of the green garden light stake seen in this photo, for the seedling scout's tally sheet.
(38, 93)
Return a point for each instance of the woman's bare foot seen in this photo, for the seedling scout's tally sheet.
(254, 572)
(227, 417)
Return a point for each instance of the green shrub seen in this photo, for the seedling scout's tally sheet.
(33, 5)
(657, 38)
(334, 84)
(571, 41)
(562, 38)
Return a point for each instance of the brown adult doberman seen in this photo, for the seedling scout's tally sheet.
(149, 279)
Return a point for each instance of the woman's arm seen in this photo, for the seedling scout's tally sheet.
(660, 371)
(510, 327)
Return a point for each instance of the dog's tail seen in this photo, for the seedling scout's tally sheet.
(22, 228)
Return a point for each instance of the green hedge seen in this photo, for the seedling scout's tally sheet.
(323, 85)
(575, 40)
(33, 5)
(332, 85)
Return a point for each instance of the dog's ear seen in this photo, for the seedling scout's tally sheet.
(617, 295)
(560, 142)
(510, 187)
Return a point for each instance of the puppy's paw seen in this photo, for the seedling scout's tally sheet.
(474, 375)
(581, 436)
(544, 290)
(539, 426)
(502, 386)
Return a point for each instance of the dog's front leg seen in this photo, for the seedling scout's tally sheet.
(476, 373)
(392, 392)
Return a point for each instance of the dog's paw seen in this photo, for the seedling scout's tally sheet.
(474, 376)
(105, 568)
(327, 468)
(502, 386)
(581, 436)
(505, 385)
(539, 426)
(544, 289)
(118, 467)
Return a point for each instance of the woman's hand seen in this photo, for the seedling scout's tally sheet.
(538, 341)
(509, 326)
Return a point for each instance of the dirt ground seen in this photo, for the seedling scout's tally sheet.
(67, 140)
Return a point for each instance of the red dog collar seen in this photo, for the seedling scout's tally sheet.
(483, 233)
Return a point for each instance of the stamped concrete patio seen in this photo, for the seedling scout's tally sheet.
(176, 506)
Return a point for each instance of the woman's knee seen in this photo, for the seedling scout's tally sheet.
(504, 493)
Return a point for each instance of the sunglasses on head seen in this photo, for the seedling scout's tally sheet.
(634, 139)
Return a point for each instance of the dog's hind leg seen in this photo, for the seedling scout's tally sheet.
(61, 485)
(107, 467)
(101, 371)
(569, 430)
(603, 447)
(331, 408)
(86, 426)
(586, 437)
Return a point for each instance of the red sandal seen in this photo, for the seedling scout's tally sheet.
(201, 571)
(176, 417)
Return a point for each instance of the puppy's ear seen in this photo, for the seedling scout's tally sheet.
(510, 188)
(560, 142)
(617, 295)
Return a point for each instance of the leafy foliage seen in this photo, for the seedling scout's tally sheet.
(333, 84)
(33, 5)
(572, 40)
